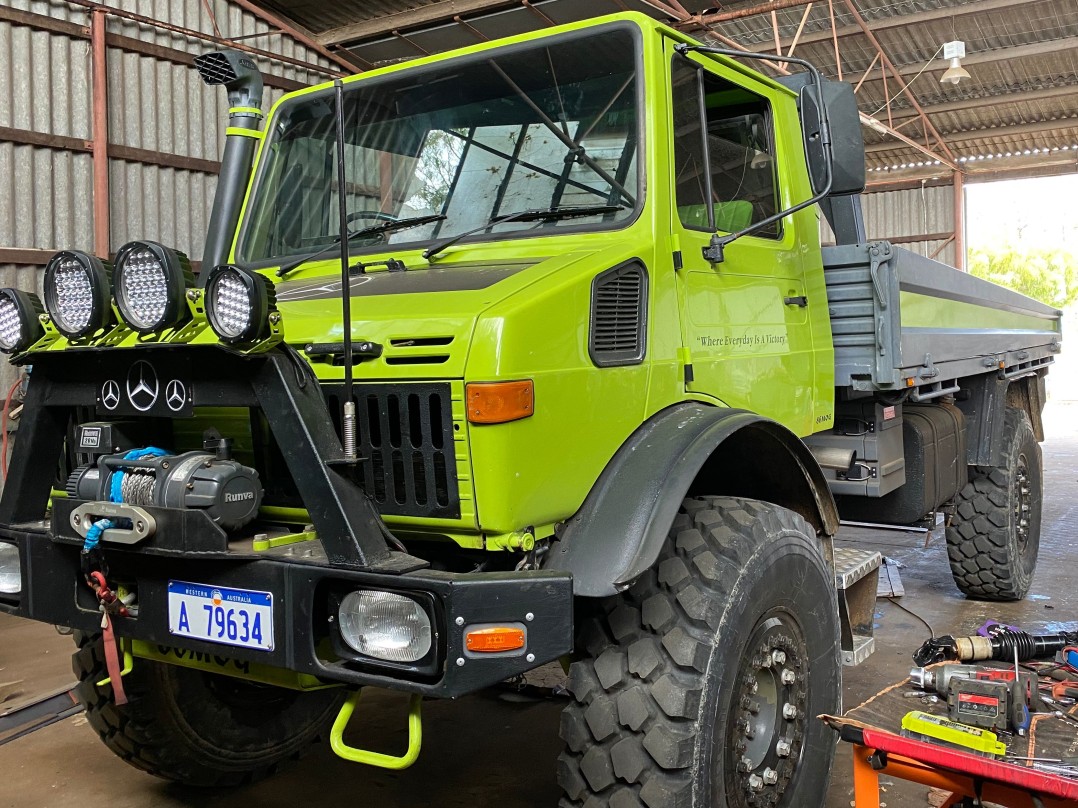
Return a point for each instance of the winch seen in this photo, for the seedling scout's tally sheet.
(227, 490)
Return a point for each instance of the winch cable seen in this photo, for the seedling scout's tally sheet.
(136, 487)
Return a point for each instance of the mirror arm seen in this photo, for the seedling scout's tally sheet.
(715, 252)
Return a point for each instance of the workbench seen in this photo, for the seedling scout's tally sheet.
(880, 751)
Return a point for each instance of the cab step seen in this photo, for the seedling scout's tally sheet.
(857, 579)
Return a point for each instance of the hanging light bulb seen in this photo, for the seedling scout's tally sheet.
(954, 51)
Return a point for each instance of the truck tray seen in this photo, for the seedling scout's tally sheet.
(900, 320)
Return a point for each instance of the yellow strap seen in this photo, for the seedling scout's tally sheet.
(241, 132)
(245, 110)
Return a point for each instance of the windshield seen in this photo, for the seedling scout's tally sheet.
(553, 124)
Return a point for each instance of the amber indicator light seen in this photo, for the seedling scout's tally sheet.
(499, 402)
(494, 639)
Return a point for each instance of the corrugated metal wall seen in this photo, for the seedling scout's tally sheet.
(909, 214)
(46, 194)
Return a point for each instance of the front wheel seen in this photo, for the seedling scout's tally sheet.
(702, 683)
(198, 728)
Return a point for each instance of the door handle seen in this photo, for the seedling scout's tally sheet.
(800, 300)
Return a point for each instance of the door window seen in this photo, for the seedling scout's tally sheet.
(741, 183)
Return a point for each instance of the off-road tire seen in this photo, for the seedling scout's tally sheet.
(993, 555)
(198, 728)
(658, 697)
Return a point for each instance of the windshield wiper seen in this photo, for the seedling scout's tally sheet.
(531, 215)
(373, 230)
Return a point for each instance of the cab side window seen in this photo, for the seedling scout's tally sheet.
(740, 145)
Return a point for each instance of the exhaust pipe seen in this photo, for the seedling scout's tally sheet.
(240, 77)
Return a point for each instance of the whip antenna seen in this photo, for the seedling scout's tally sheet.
(348, 416)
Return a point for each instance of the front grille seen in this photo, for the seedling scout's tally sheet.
(404, 435)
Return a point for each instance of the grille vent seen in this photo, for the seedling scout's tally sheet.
(619, 315)
(405, 439)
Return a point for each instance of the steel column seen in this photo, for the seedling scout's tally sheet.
(959, 221)
(100, 127)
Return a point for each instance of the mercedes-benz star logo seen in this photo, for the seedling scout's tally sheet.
(175, 395)
(110, 395)
(142, 386)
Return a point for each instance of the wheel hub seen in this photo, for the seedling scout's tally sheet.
(1023, 501)
(768, 717)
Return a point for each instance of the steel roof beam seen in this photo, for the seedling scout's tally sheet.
(988, 57)
(917, 18)
(1009, 97)
(1035, 128)
(439, 12)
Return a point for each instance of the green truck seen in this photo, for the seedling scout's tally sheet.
(599, 393)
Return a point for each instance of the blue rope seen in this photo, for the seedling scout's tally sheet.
(93, 535)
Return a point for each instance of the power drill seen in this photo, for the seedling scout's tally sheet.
(990, 698)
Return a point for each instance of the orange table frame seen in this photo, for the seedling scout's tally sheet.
(866, 783)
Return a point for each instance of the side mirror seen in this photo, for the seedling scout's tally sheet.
(847, 153)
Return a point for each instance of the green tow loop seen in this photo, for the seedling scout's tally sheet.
(382, 761)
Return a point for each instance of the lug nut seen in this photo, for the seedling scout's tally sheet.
(753, 686)
(788, 676)
(750, 705)
(789, 711)
(778, 657)
(745, 764)
(770, 777)
(783, 748)
(755, 782)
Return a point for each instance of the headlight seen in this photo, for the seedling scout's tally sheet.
(20, 323)
(10, 570)
(77, 293)
(238, 303)
(150, 283)
(385, 626)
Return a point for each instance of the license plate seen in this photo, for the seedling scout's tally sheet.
(217, 614)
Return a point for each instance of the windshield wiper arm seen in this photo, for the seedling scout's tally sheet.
(373, 230)
(530, 215)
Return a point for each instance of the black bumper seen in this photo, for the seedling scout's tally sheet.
(303, 591)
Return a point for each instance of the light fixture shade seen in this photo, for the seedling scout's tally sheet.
(955, 73)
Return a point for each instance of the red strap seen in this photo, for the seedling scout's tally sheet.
(112, 661)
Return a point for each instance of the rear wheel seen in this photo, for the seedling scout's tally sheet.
(702, 683)
(198, 728)
(994, 538)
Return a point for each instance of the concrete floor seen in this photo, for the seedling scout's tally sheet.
(485, 750)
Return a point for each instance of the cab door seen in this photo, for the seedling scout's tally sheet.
(745, 324)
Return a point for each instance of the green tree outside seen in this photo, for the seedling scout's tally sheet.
(1049, 275)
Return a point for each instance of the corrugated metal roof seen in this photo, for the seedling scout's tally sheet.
(1012, 49)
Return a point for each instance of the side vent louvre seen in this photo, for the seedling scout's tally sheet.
(619, 315)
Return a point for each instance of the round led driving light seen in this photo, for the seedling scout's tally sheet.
(150, 282)
(10, 570)
(385, 626)
(77, 293)
(238, 303)
(20, 320)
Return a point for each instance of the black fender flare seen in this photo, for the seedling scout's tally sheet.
(685, 449)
